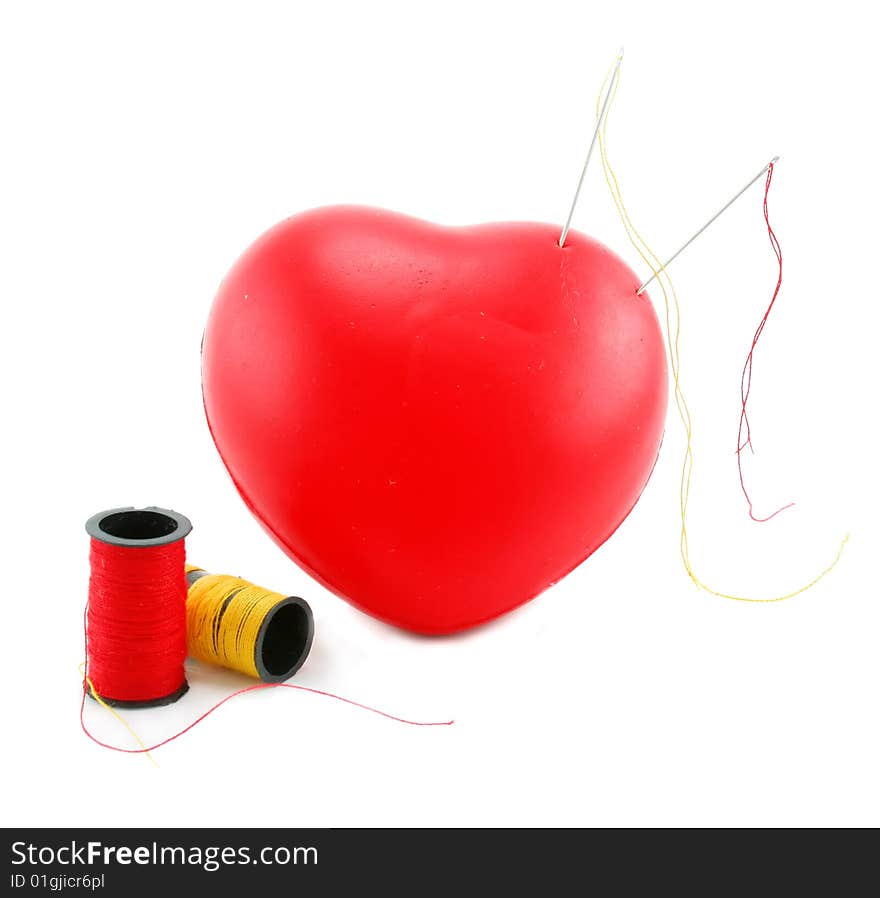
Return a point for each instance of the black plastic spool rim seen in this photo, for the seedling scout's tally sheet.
(284, 639)
(139, 528)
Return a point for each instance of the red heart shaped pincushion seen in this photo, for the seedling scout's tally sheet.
(437, 423)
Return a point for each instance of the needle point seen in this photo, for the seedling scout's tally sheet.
(724, 208)
(608, 94)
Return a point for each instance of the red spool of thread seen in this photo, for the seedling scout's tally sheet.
(136, 616)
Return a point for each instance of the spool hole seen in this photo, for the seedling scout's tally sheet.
(286, 640)
(138, 524)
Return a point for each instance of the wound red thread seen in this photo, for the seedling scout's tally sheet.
(744, 436)
(136, 621)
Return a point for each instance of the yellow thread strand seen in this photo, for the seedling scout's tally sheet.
(111, 710)
(673, 333)
(223, 619)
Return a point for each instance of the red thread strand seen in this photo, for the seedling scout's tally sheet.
(201, 717)
(136, 620)
(744, 436)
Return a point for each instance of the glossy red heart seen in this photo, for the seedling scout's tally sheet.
(437, 423)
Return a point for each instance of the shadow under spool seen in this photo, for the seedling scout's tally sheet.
(284, 639)
(139, 528)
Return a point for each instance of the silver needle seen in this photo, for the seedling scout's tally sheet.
(724, 208)
(601, 115)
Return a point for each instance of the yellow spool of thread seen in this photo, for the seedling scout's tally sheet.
(233, 623)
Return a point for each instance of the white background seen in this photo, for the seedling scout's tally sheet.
(145, 145)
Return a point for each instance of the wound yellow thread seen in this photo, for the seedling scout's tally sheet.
(227, 624)
(673, 332)
(223, 618)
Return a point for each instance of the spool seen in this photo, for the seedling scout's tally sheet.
(282, 642)
(147, 532)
